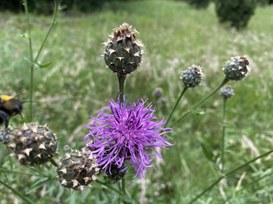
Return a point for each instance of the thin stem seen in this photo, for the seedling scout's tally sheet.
(53, 22)
(175, 106)
(108, 186)
(32, 60)
(200, 102)
(223, 135)
(228, 174)
(52, 161)
(121, 80)
(123, 186)
(18, 172)
(31, 57)
(25, 199)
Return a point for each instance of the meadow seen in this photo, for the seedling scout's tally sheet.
(77, 84)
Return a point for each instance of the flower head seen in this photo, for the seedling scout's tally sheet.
(192, 76)
(77, 169)
(32, 144)
(226, 92)
(124, 134)
(123, 52)
(237, 68)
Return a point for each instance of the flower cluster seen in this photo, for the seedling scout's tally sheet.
(124, 134)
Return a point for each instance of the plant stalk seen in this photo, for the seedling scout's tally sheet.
(108, 186)
(175, 106)
(228, 174)
(121, 80)
(223, 135)
(32, 59)
(25, 199)
(200, 102)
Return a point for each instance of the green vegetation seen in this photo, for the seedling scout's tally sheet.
(235, 13)
(76, 85)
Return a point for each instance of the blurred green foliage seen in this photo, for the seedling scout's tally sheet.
(236, 13)
(46, 6)
(199, 4)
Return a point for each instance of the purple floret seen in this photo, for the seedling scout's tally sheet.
(127, 133)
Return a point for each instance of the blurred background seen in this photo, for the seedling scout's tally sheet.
(76, 83)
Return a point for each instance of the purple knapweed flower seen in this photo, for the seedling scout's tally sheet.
(124, 134)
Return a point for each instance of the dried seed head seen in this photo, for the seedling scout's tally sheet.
(77, 169)
(123, 51)
(237, 68)
(32, 144)
(4, 135)
(226, 92)
(192, 76)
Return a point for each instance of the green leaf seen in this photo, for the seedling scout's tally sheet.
(44, 65)
(208, 154)
(194, 112)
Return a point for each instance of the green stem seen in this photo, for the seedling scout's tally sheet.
(123, 186)
(32, 60)
(108, 186)
(52, 161)
(53, 22)
(223, 135)
(121, 80)
(17, 172)
(200, 102)
(175, 106)
(228, 174)
(25, 199)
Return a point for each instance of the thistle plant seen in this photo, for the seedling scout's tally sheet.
(190, 78)
(123, 53)
(125, 135)
(77, 169)
(32, 144)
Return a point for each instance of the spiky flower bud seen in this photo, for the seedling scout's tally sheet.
(123, 51)
(77, 169)
(236, 68)
(158, 93)
(226, 92)
(4, 135)
(192, 76)
(32, 144)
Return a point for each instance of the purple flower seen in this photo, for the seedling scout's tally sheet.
(126, 133)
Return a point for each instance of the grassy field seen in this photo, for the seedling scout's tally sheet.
(77, 84)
